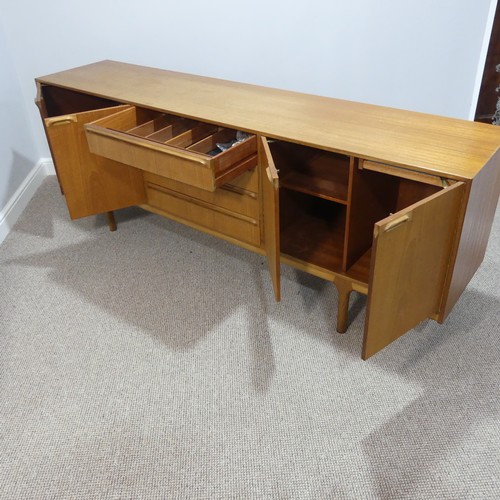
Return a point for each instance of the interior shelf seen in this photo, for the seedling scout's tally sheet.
(333, 188)
(312, 171)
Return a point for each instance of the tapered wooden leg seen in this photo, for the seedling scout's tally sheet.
(344, 288)
(111, 221)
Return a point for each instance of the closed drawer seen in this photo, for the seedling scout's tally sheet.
(180, 149)
(242, 227)
(249, 181)
(234, 195)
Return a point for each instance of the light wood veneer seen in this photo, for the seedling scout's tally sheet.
(393, 204)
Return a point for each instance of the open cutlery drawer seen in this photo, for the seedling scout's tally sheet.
(196, 153)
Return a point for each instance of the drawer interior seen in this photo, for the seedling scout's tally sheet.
(175, 131)
(197, 153)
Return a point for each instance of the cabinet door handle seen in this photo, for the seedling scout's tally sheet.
(269, 175)
(60, 120)
(396, 222)
(272, 175)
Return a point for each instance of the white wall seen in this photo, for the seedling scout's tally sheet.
(18, 150)
(421, 55)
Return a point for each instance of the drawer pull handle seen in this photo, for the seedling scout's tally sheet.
(396, 223)
(60, 120)
(238, 190)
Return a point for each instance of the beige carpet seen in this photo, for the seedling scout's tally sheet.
(153, 363)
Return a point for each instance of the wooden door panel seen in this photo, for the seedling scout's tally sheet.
(270, 194)
(411, 254)
(91, 184)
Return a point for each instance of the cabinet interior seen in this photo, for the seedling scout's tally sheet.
(312, 229)
(328, 206)
(59, 101)
(311, 171)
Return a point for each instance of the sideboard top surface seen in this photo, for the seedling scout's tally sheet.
(434, 144)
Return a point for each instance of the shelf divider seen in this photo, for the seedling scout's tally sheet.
(333, 188)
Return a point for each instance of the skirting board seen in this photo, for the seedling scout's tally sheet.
(20, 199)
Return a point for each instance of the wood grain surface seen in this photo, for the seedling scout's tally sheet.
(445, 146)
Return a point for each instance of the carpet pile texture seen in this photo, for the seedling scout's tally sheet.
(153, 363)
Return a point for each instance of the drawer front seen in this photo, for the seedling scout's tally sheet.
(216, 218)
(232, 196)
(180, 149)
(248, 180)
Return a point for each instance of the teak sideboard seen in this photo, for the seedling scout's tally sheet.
(393, 204)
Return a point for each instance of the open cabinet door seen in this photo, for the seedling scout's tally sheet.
(410, 257)
(270, 194)
(91, 184)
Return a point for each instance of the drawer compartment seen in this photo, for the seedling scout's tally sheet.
(178, 148)
(213, 217)
(231, 196)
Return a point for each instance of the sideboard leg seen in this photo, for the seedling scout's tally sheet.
(111, 221)
(344, 289)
